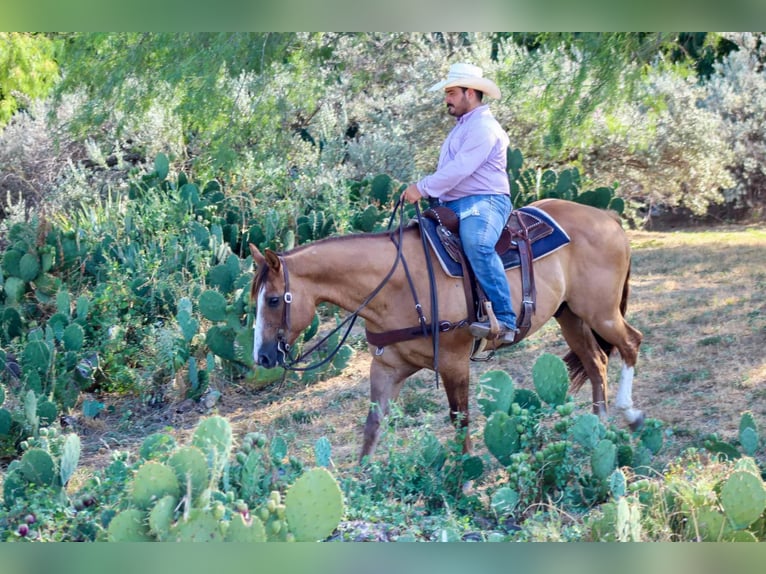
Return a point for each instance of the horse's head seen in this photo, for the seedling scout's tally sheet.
(283, 308)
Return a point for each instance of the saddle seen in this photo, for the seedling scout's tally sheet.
(529, 234)
(520, 243)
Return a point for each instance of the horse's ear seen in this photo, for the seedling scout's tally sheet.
(272, 260)
(258, 259)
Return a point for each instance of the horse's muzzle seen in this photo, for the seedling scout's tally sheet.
(269, 355)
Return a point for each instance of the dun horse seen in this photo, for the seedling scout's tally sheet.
(584, 285)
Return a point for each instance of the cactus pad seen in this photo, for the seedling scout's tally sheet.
(743, 498)
(501, 436)
(70, 456)
(128, 526)
(161, 516)
(495, 392)
(153, 480)
(213, 437)
(191, 468)
(603, 459)
(651, 435)
(157, 446)
(314, 506)
(36, 355)
(551, 380)
(212, 305)
(29, 267)
(6, 420)
(505, 500)
(587, 430)
(200, 526)
(240, 531)
(323, 452)
(73, 337)
(37, 467)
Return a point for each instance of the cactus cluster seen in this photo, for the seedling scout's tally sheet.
(749, 440)
(550, 451)
(48, 462)
(531, 184)
(191, 493)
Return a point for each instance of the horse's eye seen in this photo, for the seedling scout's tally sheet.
(273, 302)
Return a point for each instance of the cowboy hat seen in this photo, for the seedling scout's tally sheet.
(468, 76)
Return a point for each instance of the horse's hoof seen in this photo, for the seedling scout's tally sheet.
(638, 423)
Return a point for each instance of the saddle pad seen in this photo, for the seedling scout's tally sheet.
(540, 248)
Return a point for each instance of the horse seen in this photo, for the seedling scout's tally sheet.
(583, 285)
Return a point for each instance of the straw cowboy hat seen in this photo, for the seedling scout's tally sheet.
(468, 76)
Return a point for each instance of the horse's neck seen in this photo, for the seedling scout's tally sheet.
(344, 271)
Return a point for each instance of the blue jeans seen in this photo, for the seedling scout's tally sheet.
(482, 218)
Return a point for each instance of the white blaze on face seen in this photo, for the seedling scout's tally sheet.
(258, 326)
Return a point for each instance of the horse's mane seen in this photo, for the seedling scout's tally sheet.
(340, 239)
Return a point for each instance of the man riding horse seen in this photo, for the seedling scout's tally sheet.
(471, 179)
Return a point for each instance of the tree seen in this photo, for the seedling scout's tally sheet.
(28, 69)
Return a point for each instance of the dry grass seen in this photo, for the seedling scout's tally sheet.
(698, 297)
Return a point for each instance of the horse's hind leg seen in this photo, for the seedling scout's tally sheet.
(586, 360)
(386, 381)
(627, 340)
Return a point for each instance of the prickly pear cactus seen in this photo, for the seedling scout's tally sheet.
(129, 526)
(587, 430)
(6, 421)
(37, 467)
(161, 516)
(651, 435)
(199, 526)
(212, 305)
(70, 456)
(213, 436)
(190, 466)
(551, 380)
(603, 459)
(186, 321)
(748, 434)
(323, 452)
(618, 483)
(240, 531)
(496, 392)
(314, 506)
(743, 498)
(152, 481)
(501, 436)
(157, 446)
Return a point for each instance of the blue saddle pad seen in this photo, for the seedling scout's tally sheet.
(540, 248)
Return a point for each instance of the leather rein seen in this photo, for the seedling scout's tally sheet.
(289, 362)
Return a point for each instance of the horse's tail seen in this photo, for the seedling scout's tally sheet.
(577, 374)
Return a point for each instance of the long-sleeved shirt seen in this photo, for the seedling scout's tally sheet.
(472, 159)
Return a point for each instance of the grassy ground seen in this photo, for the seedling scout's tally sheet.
(699, 298)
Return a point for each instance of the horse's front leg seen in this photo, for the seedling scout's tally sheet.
(455, 378)
(386, 381)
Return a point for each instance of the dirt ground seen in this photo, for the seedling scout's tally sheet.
(698, 297)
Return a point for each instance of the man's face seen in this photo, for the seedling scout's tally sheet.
(457, 101)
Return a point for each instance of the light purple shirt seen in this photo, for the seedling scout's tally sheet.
(472, 159)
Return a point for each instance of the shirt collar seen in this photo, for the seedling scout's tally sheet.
(477, 111)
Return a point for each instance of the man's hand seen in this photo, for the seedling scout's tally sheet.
(411, 194)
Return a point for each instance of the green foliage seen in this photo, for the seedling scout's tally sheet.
(531, 184)
(27, 68)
